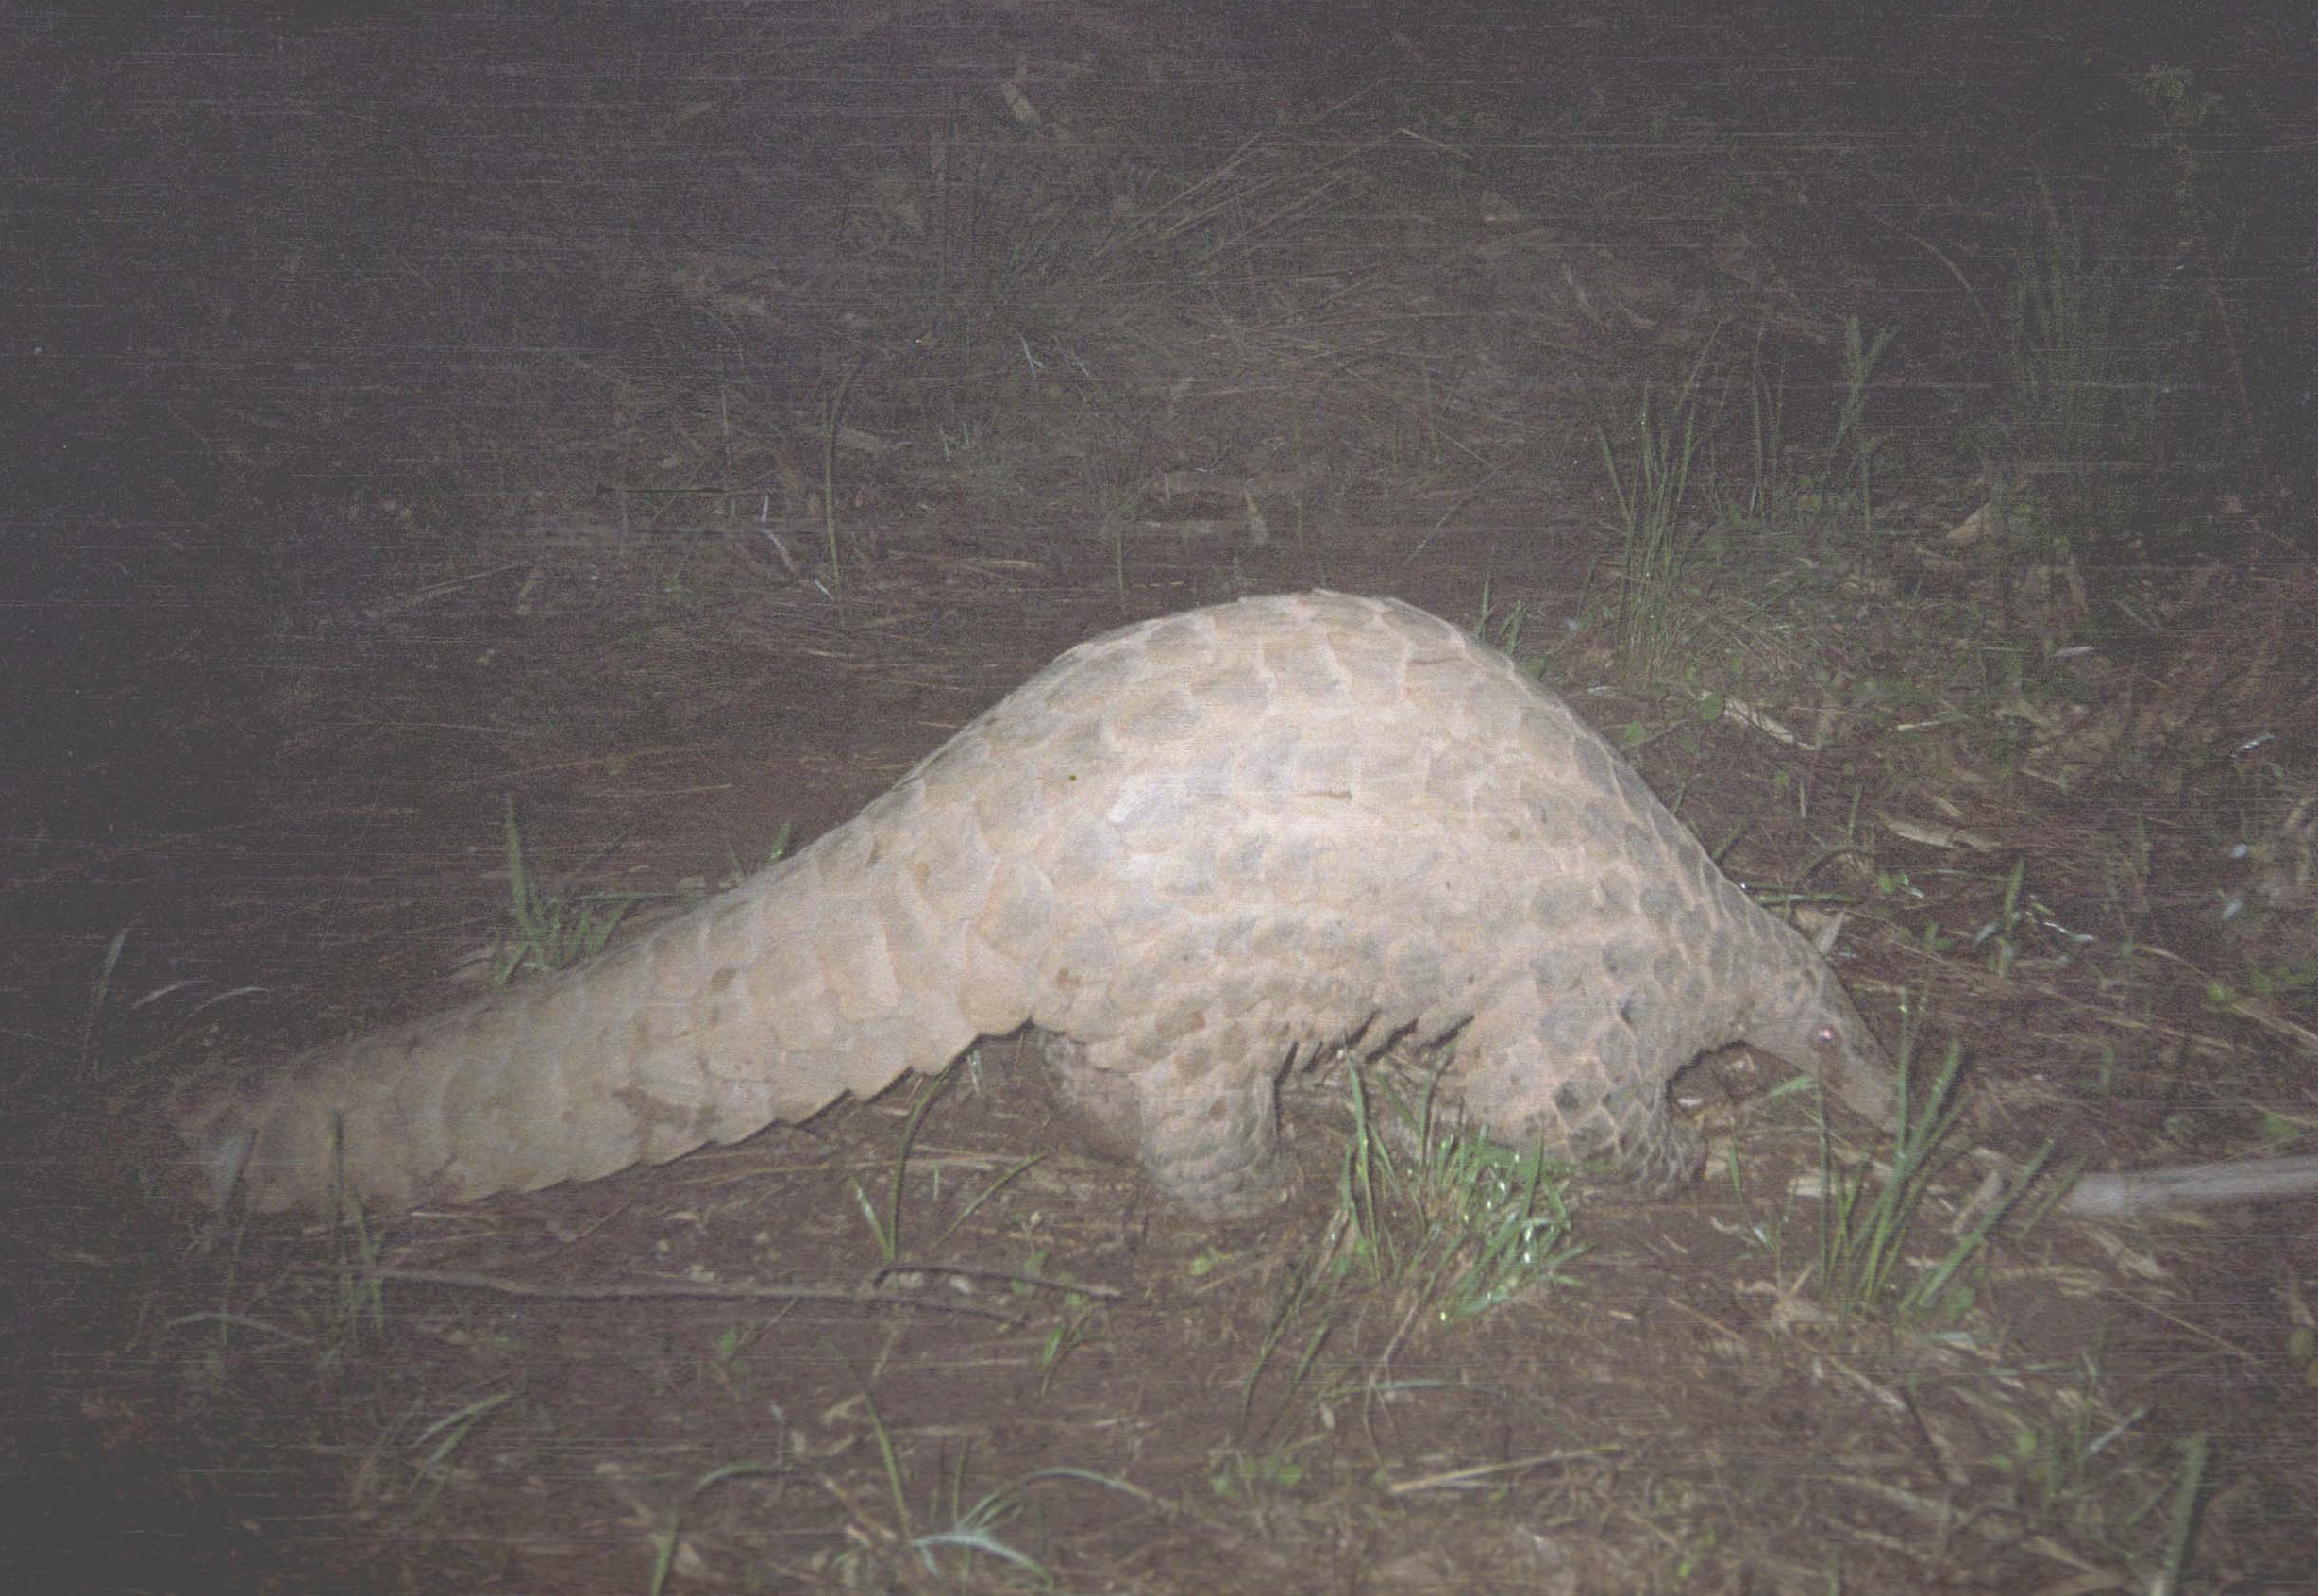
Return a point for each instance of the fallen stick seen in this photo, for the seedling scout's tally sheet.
(2191, 1185)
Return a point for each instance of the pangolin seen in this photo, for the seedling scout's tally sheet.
(1194, 854)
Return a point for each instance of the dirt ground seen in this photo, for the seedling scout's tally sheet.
(674, 420)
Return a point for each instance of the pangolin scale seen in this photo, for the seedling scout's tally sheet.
(1193, 854)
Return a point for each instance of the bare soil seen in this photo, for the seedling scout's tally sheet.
(677, 419)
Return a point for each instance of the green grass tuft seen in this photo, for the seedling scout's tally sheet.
(1651, 622)
(2082, 340)
(1459, 1226)
(1869, 1218)
(551, 931)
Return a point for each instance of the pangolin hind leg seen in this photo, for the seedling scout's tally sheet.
(1580, 1085)
(1204, 1121)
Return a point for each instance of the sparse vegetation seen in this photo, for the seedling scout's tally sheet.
(668, 1544)
(967, 1531)
(357, 1308)
(887, 1227)
(443, 1440)
(1457, 1228)
(2054, 1454)
(549, 930)
(1816, 505)
(1656, 610)
(2086, 330)
(1870, 1218)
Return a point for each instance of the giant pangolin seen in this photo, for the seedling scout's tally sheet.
(1194, 853)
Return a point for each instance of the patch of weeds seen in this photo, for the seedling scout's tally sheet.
(729, 1360)
(2021, 913)
(1691, 706)
(1851, 453)
(2188, 1494)
(1503, 633)
(416, 1484)
(2073, 1467)
(1768, 1234)
(1005, 1178)
(1898, 885)
(2281, 1131)
(1210, 1259)
(1242, 1476)
(1867, 1220)
(1794, 502)
(2051, 1458)
(2274, 1014)
(779, 848)
(1651, 625)
(351, 1312)
(1674, 1516)
(1069, 1333)
(1460, 1227)
(961, 1532)
(1308, 1306)
(445, 1436)
(106, 1053)
(205, 1373)
(886, 1228)
(2081, 369)
(1448, 1230)
(356, 1306)
(972, 1530)
(551, 931)
(737, 871)
(2287, 985)
(668, 1544)
(1696, 1548)
(2023, 927)
(2301, 1352)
